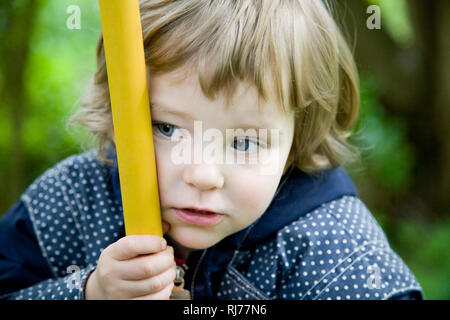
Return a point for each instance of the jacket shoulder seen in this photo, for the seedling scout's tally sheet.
(339, 251)
(336, 251)
(71, 183)
(64, 204)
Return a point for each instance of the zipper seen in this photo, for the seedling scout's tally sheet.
(179, 278)
(195, 273)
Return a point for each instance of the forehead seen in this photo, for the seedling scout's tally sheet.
(181, 89)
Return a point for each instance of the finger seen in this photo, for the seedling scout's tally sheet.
(150, 285)
(132, 246)
(147, 266)
(164, 294)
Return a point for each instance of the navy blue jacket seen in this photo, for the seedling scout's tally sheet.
(316, 240)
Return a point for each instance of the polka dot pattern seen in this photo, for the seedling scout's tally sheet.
(55, 289)
(74, 216)
(337, 252)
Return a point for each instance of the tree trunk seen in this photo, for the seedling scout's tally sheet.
(15, 49)
(442, 119)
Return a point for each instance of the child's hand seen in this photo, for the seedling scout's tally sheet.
(134, 267)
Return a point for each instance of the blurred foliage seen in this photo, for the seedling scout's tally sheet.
(394, 15)
(62, 61)
(392, 162)
(425, 248)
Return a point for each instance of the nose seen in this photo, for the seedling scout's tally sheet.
(203, 176)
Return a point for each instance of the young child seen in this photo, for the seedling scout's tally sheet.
(287, 225)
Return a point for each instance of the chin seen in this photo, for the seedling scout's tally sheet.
(194, 239)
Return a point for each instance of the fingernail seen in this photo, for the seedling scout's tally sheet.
(163, 244)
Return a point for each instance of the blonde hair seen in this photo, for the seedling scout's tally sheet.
(290, 48)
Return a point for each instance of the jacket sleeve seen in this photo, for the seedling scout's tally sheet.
(24, 272)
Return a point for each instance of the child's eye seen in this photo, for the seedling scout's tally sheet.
(168, 130)
(244, 144)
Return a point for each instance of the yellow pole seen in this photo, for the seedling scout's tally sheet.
(127, 78)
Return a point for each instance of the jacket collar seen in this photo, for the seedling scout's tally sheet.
(298, 193)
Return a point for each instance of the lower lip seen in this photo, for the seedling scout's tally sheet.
(199, 218)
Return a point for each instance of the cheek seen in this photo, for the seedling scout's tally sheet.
(253, 193)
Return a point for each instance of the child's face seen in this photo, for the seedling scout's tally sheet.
(239, 192)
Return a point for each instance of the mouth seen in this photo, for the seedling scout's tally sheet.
(197, 210)
(198, 216)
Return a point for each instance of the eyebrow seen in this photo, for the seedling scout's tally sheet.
(166, 109)
(156, 105)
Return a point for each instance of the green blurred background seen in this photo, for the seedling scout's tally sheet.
(403, 128)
